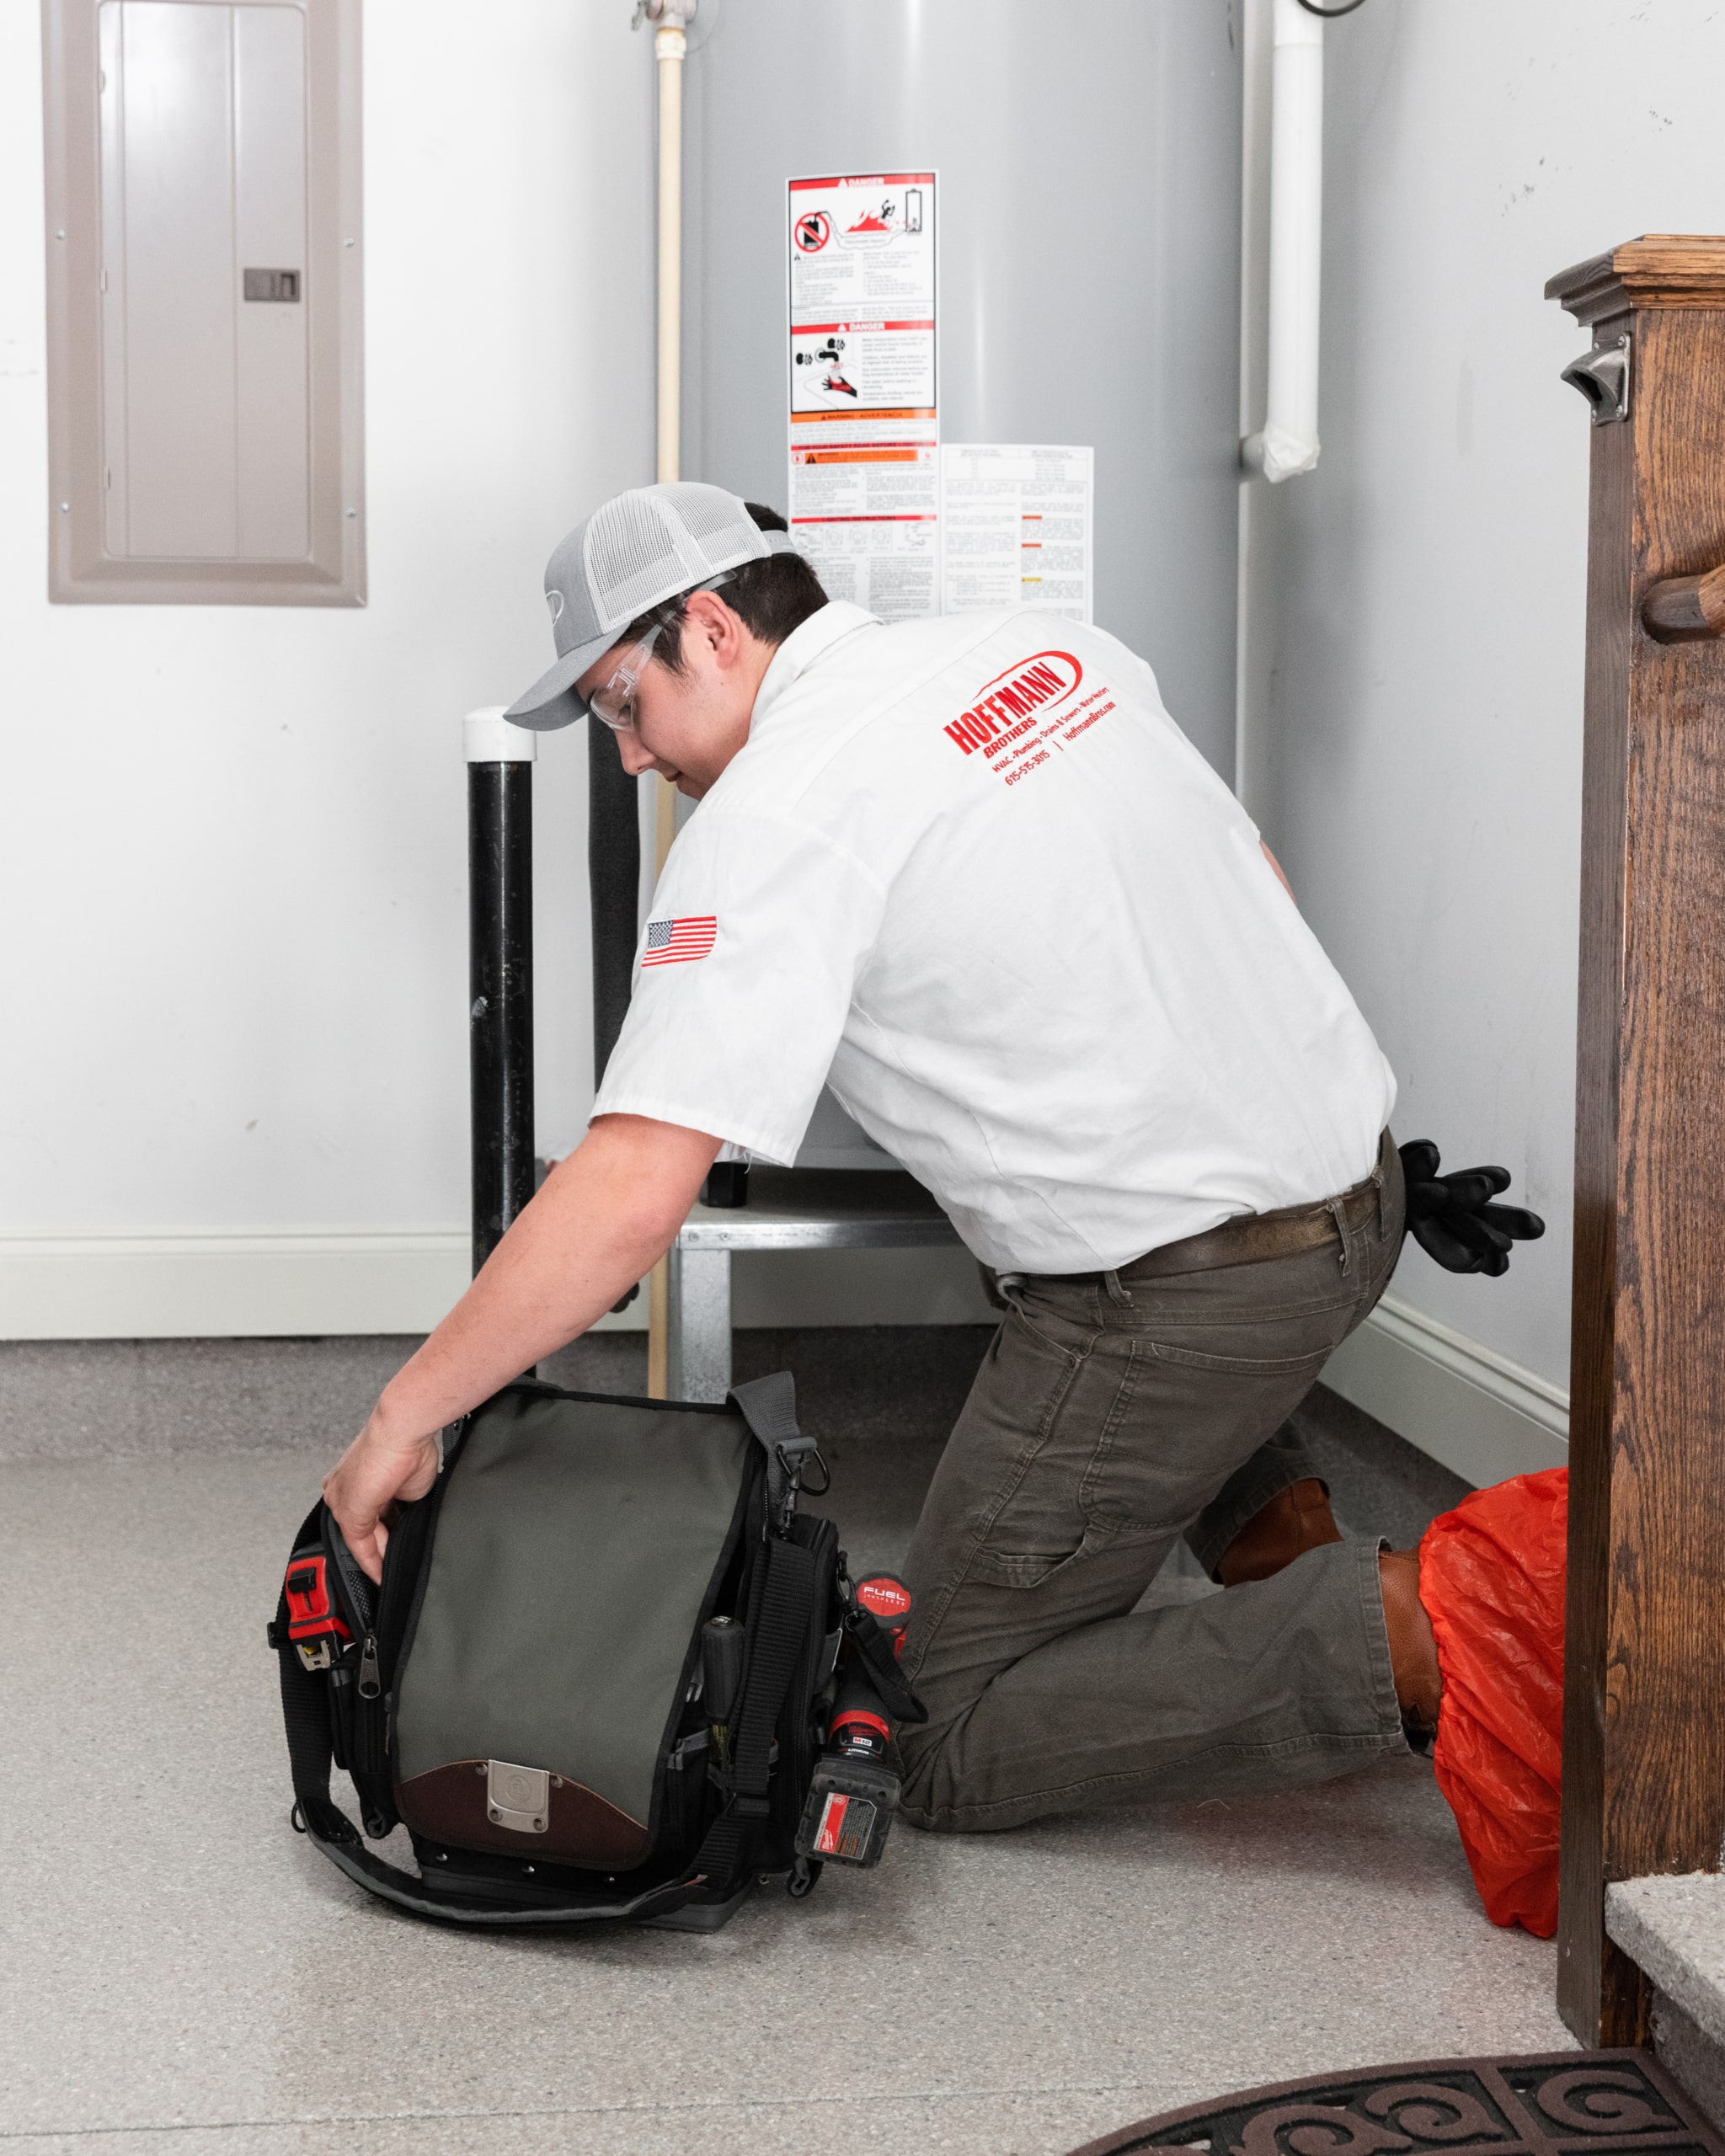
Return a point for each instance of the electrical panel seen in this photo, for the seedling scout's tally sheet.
(207, 447)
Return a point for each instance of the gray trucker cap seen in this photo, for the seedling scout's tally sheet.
(634, 552)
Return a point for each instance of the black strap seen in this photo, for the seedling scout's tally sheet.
(872, 1644)
(768, 1405)
(778, 1625)
(305, 1715)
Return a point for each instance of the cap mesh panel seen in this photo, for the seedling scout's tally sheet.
(650, 543)
(714, 521)
(632, 558)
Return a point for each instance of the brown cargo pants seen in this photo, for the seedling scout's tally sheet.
(1113, 1414)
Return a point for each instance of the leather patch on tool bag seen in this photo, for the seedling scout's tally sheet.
(560, 1821)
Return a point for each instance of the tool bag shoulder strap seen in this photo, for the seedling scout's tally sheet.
(781, 1620)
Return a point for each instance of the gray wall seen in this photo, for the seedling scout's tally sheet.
(1089, 242)
(1411, 697)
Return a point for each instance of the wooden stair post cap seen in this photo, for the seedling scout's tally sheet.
(1658, 270)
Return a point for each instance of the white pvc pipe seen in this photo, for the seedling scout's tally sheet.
(1288, 443)
(669, 46)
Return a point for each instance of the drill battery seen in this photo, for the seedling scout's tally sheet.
(854, 1793)
(849, 1813)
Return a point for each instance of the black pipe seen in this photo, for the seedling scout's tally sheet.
(614, 880)
(500, 995)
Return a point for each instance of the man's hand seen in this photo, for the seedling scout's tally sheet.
(601, 1220)
(1454, 1218)
(376, 1473)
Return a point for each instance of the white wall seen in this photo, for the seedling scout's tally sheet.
(232, 840)
(1411, 697)
(233, 837)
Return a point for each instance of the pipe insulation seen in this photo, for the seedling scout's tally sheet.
(500, 759)
(1288, 443)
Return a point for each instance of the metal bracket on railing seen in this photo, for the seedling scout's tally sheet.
(1603, 377)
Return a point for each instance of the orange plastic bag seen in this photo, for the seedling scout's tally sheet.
(1491, 1575)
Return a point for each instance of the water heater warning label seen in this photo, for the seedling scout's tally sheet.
(863, 404)
(1016, 524)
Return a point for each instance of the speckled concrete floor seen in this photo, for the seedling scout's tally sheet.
(183, 1974)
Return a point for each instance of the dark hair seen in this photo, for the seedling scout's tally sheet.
(771, 597)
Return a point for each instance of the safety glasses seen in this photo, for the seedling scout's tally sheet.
(614, 704)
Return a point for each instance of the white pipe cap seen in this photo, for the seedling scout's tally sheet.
(491, 739)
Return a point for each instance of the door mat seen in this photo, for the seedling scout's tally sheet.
(1552, 2104)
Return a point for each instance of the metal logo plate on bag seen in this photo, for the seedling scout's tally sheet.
(518, 1797)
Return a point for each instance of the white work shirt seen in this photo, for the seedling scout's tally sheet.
(969, 870)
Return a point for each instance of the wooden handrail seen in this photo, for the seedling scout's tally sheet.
(1684, 608)
(1644, 1670)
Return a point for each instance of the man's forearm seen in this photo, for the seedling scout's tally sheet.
(601, 1221)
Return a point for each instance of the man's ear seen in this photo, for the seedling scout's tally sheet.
(707, 614)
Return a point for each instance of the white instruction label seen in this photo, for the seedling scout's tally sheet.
(864, 415)
(1016, 527)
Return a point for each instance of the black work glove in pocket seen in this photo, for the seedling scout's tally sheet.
(1452, 1217)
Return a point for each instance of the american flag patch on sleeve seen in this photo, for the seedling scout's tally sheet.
(674, 942)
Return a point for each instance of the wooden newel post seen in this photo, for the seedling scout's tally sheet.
(1644, 1705)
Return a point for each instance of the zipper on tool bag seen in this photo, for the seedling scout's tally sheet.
(389, 1632)
(356, 1691)
(356, 1592)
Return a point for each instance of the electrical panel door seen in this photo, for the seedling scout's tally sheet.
(222, 248)
(203, 203)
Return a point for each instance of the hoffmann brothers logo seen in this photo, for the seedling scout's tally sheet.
(1007, 702)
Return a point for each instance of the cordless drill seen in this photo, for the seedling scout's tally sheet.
(854, 1791)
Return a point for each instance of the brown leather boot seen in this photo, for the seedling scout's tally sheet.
(1295, 1519)
(1413, 1646)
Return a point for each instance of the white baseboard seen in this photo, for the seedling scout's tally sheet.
(1482, 1416)
(169, 1287)
(206, 1286)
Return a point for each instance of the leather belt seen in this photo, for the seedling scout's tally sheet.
(1251, 1237)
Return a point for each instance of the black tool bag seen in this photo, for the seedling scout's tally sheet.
(594, 1682)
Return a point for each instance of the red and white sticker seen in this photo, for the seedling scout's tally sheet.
(830, 1839)
(885, 1598)
(861, 375)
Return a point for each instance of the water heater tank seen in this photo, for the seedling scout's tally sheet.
(1088, 162)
